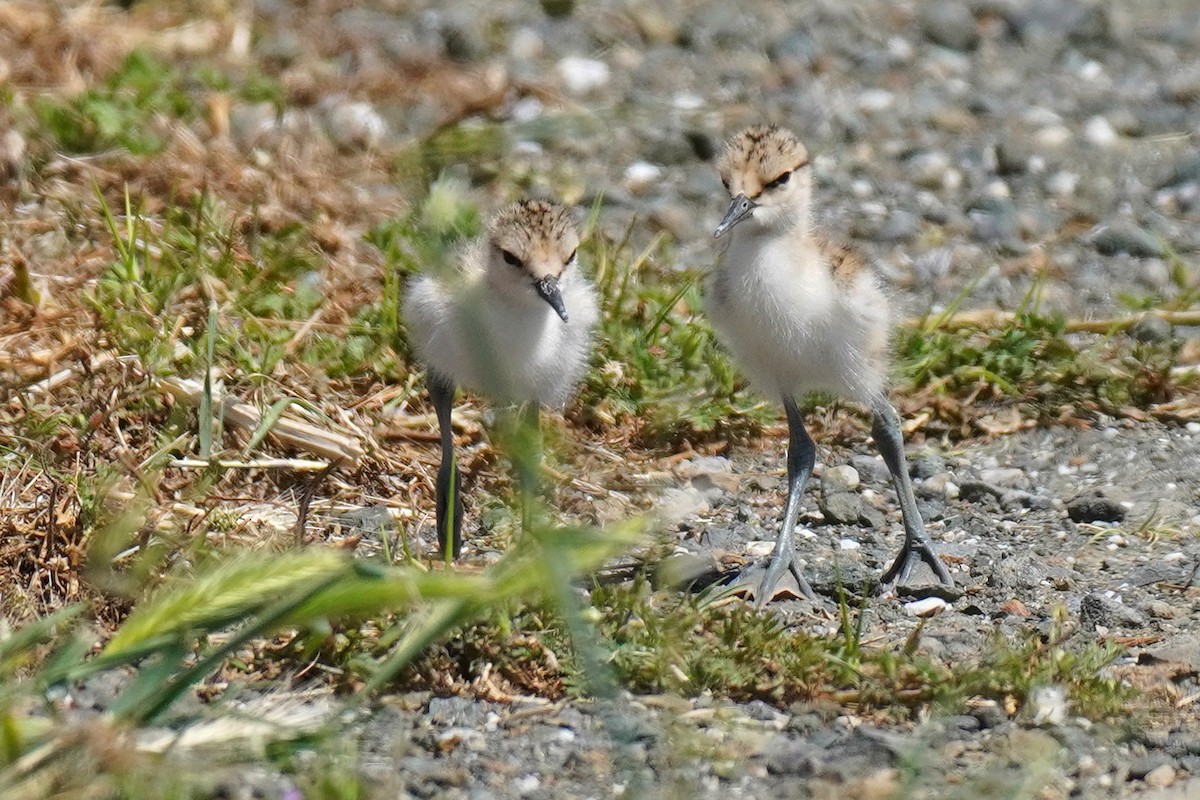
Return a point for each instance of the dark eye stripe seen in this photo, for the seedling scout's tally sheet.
(571, 257)
(779, 181)
(510, 258)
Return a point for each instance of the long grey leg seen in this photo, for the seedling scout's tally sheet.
(801, 456)
(886, 432)
(449, 481)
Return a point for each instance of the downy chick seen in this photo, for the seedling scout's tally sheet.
(803, 315)
(514, 323)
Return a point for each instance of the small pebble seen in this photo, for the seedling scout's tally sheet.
(1049, 705)
(1123, 236)
(949, 24)
(582, 75)
(841, 478)
(355, 125)
(1062, 183)
(642, 175)
(1095, 509)
(1099, 131)
(1161, 777)
(527, 784)
(928, 607)
(760, 549)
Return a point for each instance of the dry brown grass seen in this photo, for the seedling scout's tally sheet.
(104, 413)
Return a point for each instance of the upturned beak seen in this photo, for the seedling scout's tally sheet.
(547, 287)
(739, 209)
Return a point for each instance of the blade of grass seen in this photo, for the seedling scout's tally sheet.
(207, 410)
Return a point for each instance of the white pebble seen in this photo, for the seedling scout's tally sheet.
(997, 188)
(844, 476)
(354, 124)
(688, 101)
(900, 50)
(849, 544)
(523, 148)
(1193, 427)
(641, 175)
(527, 784)
(1049, 704)
(1062, 183)
(760, 549)
(1041, 116)
(930, 606)
(527, 109)
(1100, 132)
(582, 75)
(950, 490)
(876, 100)
(526, 44)
(1090, 70)
(1053, 136)
(1173, 557)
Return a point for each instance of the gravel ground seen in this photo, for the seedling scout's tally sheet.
(954, 141)
(1100, 522)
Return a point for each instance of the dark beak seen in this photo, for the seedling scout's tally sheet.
(739, 209)
(547, 287)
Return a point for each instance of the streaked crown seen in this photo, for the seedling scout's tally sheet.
(535, 235)
(759, 159)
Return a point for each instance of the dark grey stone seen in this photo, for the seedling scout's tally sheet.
(978, 492)
(1139, 768)
(845, 508)
(1123, 236)
(950, 24)
(1095, 508)
(1096, 610)
(1018, 573)
(783, 755)
(925, 465)
(989, 716)
(1152, 329)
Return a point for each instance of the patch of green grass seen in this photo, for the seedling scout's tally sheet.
(424, 240)
(689, 645)
(659, 365)
(153, 300)
(122, 111)
(474, 146)
(664, 642)
(1035, 360)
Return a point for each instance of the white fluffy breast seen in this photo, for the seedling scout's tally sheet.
(791, 326)
(511, 351)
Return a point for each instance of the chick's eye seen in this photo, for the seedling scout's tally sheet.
(780, 181)
(511, 259)
(571, 258)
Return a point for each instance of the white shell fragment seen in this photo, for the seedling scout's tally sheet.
(929, 607)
